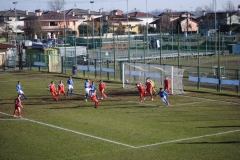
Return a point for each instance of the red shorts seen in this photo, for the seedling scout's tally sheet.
(17, 107)
(61, 91)
(94, 99)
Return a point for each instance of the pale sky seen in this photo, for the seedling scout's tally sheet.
(124, 5)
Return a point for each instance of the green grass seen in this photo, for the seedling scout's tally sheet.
(198, 125)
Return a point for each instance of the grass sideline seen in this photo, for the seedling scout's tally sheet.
(198, 125)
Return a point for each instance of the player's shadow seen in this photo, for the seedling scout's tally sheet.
(72, 107)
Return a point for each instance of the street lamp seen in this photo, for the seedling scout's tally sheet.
(92, 25)
(147, 29)
(128, 36)
(15, 31)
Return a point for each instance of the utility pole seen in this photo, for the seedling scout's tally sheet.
(93, 45)
(15, 33)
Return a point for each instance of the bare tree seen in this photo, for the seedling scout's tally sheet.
(229, 7)
(56, 5)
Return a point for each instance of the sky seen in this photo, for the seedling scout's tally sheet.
(124, 5)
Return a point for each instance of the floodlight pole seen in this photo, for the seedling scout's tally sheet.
(128, 35)
(92, 26)
(147, 29)
(15, 31)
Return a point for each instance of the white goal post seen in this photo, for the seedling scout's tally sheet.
(54, 63)
(133, 73)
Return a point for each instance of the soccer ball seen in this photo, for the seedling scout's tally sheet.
(126, 81)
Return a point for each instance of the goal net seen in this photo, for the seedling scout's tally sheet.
(54, 63)
(137, 73)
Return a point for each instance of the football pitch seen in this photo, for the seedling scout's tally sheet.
(196, 125)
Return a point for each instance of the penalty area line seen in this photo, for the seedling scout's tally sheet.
(72, 131)
(185, 139)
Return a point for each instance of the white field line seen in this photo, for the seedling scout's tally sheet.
(123, 144)
(212, 100)
(191, 138)
(72, 131)
(16, 119)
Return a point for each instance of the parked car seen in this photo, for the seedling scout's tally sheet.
(36, 41)
(53, 41)
(47, 43)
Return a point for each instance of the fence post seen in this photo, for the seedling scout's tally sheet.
(107, 67)
(236, 73)
(120, 69)
(198, 73)
(30, 61)
(62, 64)
(47, 61)
(95, 66)
(39, 61)
(83, 70)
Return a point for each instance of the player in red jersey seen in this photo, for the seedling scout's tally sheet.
(101, 87)
(18, 106)
(61, 89)
(148, 88)
(94, 98)
(142, 91)
(167, 82)
(52, 89)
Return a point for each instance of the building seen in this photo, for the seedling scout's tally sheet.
(169, 22)
(49, 24)
(11, 21)
(227, 21)
(4, 53)
(146, 18)
(119, 22)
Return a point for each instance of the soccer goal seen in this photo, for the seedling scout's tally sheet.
(133, 73)
(54, 63)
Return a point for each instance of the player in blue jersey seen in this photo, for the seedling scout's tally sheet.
(163, 96)
(19, 90)
(70, 86)
(87, 88)
(93, 89)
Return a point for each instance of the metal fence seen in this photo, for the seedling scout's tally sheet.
(176, 51)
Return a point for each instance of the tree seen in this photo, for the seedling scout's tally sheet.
(85, 29)
(56, 5)
(229, 8)
(120, 30)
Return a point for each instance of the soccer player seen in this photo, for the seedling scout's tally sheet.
(94, 98)
(87, 88)
(19, 90)
(153, 85)
(70, 86)
(142, 91)
(18, 106)
(61, 89)
(74, 68)
(167, 82)
(163, 96)
(101, 87)
(148, 89)
(92, 88)
(52, 89)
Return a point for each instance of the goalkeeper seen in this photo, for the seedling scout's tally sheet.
(153, 85)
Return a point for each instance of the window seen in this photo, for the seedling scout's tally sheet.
(52, 24)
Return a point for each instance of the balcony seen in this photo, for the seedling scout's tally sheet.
(52, 28)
